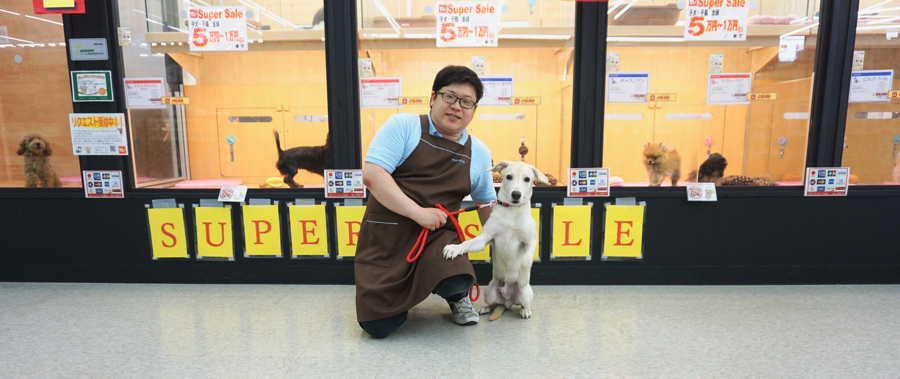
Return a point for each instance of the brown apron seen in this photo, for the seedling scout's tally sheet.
(437, 172)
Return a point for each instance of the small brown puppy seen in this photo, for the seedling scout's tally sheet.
(713, 169)
(660, 163)
(38, 172)
(315, 159)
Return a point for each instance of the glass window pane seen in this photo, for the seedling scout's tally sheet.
(34, 75)
(239, 96)
(872, 137)
(532, 63)
(747, 100)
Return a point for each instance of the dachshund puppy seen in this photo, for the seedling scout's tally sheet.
(315, 159)
(713, 169)
(38, 172)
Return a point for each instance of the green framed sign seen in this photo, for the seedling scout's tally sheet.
(92, 86)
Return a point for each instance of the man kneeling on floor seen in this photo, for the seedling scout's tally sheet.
(413, 163)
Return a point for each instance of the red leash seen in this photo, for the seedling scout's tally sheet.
(423, 235)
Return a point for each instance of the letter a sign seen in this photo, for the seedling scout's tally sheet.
(624, 232)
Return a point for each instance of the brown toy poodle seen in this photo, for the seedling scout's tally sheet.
(38, 172)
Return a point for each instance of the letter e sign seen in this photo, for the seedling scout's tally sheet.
(624, 232)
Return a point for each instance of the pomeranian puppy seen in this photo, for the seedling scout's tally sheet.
(713, 169)
(897, 169)
(660, 163)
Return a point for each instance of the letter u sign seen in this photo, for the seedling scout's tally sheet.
(213, 227)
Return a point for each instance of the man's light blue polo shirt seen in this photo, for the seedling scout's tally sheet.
(400, 135)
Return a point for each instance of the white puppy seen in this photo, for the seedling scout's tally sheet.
(512, 229)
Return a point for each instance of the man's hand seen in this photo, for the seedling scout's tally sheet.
(430, 218)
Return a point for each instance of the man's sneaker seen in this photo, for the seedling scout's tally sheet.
(464, 312)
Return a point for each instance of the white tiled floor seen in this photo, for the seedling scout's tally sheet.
(254, 331)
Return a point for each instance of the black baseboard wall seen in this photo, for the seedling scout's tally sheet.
(750, 236)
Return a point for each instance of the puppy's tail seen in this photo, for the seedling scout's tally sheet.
(498, 311)
(277, 142)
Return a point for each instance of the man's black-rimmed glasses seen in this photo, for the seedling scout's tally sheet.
(451, 98)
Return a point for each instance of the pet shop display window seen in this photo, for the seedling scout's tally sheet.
(37, 148)
(527, 70)
(239, 90)
(691, 102)
(871, 138)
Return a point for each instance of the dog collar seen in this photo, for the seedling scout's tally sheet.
(507, 204)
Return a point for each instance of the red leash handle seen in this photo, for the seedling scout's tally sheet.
(423, 235)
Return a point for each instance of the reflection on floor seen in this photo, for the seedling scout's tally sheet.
(256, 331)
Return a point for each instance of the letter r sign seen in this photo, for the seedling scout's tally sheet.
(624, 232)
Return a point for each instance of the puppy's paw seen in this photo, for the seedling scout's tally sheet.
(525, 313)
(485, 310)
(453, 251)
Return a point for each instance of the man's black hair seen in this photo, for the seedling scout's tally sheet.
(458, 75)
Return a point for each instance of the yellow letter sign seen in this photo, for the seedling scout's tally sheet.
(214, 238)
(571, 231)
(262, 231)
(349, 219)
(624, 231)
(167, 232)
(309, 233)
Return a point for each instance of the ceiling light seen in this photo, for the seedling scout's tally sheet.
(16, 39)
(616, 5)
(41, 19)
(535, 36)
(810, 26)
(645, 39)
(627, 7)
(877, 27)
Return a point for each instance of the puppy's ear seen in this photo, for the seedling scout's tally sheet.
(647, 144)
(662, 146)
(539, 177)
(499, 166)
(47, 150)
(23, 146)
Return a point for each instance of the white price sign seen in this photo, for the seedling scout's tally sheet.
(381, 92)
(144, 93)
(498, 90)
(467, 23)
(627, 87)
(217, 28)
(866, 86)
(725, 89)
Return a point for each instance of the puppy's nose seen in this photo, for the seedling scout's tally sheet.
(516, 195)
